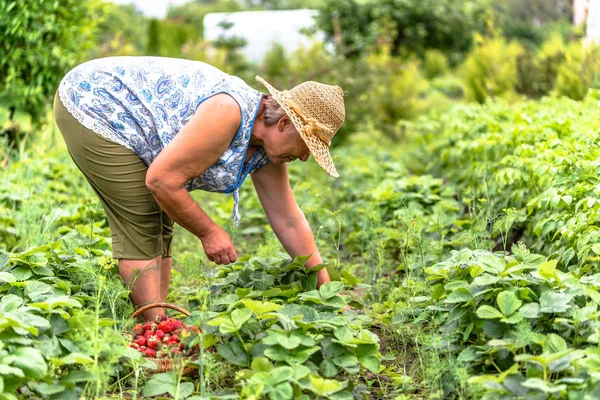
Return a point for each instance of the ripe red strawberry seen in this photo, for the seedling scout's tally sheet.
(140, 341)
(174, 339)
(150, 353)
(152, 343)
(146, 326)
(166, 326)
(138, 329)
(177, 324)
(159, 334)
(148, 333)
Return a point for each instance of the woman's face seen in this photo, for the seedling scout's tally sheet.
(283, 144)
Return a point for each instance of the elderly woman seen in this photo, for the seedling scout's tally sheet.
(146, 130)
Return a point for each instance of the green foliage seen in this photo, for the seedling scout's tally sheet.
(532, 22)
(537, 71)
(273, 311)
(531, 320)
(434, 64)
(578, 72)
(31, 68)
(490, 70)
(122, 31)
(414, 26)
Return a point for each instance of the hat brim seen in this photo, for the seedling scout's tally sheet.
(318, 148)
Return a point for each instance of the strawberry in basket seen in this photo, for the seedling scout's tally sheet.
(162, 338)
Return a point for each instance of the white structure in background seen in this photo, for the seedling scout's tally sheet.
(580, 11)
(261, 29)
(593, 20)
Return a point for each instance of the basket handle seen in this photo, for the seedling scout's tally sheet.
(164, 305)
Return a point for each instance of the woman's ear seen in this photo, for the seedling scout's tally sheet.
(284, 123)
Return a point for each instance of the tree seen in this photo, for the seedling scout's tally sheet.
(40, 42)
(412, 26)
(531, 22)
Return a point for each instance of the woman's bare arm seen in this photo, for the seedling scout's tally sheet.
(286, 218)
(194, 149)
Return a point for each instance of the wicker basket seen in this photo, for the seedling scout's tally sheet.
(166, 364)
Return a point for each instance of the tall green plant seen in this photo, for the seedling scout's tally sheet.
(40, 41)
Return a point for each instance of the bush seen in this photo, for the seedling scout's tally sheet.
(435, 64)
(30, 67)
(537, 71)
(491, 69)
(578, 71)
(397, 90)
(446, 25)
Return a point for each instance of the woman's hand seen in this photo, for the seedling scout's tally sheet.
(218, 246)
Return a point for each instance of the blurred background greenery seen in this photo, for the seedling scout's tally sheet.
(396, 59)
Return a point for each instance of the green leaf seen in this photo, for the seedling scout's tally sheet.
(161, 384)
(7, 277)
(240, 316)
(492, 264)
(260, 307)
(330, 289)
(485, 280)
(35, 289)
(74, 358)
(513, 319)
(261, 364)
(30, 361)
(54, 302)
(46, 389)
(309, 282)
(328, 368)
(21, 273)
(4, 258)
(555, 343)
(460, 295)
(530, 310)
(346, 360)
(76, 376)
(547, 270)
(234, 353)
(370, 362)
(543, 386)
(508, 303)
(553, 302)
(282, 391)
(596, 248)
(324, 387)
(488, 312)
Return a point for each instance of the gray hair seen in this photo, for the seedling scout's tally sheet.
(273, 111)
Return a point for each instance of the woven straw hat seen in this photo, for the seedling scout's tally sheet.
(317, 111)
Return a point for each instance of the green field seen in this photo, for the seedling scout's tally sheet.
(469, 252)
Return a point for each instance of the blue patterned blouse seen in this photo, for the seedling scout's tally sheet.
(143, 102)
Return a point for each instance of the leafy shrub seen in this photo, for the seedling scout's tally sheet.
(537, 71)
(434, 64)
(523, 326)
(30, 68)
(419, 25)
(274, 320)
(490, 70)
(578, 72)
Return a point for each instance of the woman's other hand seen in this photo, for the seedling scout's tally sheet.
(218, 246)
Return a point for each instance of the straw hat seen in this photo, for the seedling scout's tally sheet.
(317, 111)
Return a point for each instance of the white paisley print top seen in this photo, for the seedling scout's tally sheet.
(143, 102)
